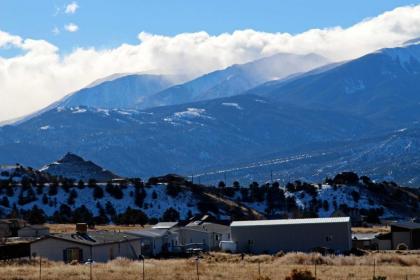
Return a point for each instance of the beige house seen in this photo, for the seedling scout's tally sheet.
(33, 231)
(99, 246)
(272, 236)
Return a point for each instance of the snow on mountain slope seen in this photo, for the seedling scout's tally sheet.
(153, 207)
(389, 156)
(126, 91)
(174, 139)
(235, 79)
(382, 86)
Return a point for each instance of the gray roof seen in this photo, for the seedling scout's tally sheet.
(94, 238)
(165, 225)
(152, 233)
(290, 222)
(364, 236)
(407, 225)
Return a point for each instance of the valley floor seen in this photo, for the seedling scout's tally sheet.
(393, 265)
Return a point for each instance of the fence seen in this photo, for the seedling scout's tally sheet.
(200, 270)
(14, 251)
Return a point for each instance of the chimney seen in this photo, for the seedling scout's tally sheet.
(81, 228)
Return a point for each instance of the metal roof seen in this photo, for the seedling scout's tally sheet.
(165, 225)
(364, 236)
(152, 233)
(290, 222)
(93, 238)
(407, 225)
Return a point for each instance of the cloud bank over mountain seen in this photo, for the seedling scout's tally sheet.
(41, 74)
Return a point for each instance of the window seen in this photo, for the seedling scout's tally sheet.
(72, 254)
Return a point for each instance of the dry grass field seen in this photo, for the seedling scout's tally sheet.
(373, 229)
(225, 266)
(62, 228)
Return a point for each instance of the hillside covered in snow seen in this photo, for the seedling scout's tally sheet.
(168, 198)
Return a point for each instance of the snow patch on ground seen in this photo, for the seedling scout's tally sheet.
(78, 110)
(235, 105)
(45, 127)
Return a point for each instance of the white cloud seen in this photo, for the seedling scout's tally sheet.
(41, 75)
(71, 8)
(71, 27)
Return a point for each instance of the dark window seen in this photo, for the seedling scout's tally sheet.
(72, 254)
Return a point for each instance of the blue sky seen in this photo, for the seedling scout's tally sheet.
(105, 24)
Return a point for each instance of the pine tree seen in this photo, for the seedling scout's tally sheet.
(5, 202)
(170, 215)
(98, 192)
(72, 197)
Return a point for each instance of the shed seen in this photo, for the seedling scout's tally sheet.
(405, 235)
(272, 236)
(99, 246)
(33, 231)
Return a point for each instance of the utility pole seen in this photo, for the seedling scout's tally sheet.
(271, 176)
(141, 257)
(90, 268)
(196, 266)
(374, 267)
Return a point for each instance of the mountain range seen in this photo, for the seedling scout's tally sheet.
(278, 115)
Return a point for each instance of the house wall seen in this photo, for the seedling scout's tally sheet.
(5, 230)
(416, 239)
(106, 252)
(383, 244)
(188, 236)
(52, 249)
(399, 238)
(216, 232)
(301, 237)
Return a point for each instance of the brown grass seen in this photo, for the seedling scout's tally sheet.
(62, 228)
(374, 229)
(225, 266)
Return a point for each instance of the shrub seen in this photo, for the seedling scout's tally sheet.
(98, 192)
(132, 216)
(173, 190)
(114, 191)
(300, 275)
(170, 215)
